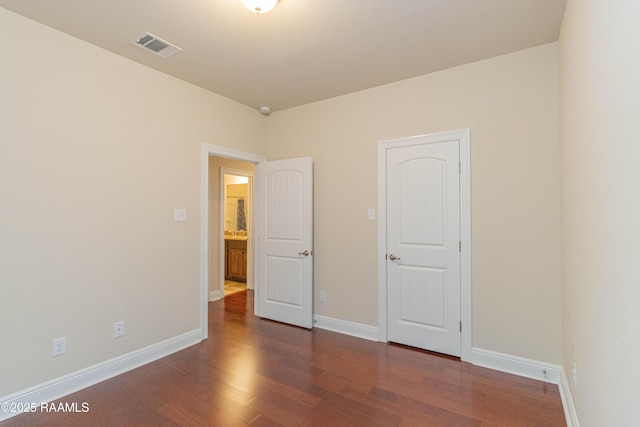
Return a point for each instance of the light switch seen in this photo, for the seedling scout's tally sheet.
(372, 214)
(179, 215)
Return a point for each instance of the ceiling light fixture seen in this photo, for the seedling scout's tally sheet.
(259, 6)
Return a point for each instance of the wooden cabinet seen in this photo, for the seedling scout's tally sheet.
(235, 260)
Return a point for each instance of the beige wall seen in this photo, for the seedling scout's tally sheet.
(215, 238)
(510, 103)
(95, 153)
(600, 140)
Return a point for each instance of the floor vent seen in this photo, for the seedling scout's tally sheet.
(155, 45)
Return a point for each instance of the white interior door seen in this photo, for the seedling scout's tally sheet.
(284, 267)
(423, 246)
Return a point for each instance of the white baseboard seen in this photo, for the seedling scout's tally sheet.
(215, 295)
(345, 327)
(570, 413)
(65, 385)
(517, 365)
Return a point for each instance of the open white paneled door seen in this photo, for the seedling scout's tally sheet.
(284, 240)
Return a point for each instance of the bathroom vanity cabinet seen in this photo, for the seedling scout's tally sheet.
(235, 260)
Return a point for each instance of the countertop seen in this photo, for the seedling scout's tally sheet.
(230, 237)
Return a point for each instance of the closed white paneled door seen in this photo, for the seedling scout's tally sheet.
(423, 245)
(284, 268)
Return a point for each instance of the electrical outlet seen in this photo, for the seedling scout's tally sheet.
(59, 347)
(118, 329)
(323, 296)
(575, 375)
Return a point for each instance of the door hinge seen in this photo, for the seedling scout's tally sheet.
(459, 245)
(460, 326)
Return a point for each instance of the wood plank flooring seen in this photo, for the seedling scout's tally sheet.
(261, 373)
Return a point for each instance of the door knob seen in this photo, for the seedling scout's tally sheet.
(305, 253)
(392, 257)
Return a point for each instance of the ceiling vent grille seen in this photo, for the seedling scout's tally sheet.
(156, 45)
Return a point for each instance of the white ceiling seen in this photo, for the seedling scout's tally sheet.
(303, 50)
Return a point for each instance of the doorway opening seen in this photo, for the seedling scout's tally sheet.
(212, 158)
(284, 214)
(230, 226)
(236, 227)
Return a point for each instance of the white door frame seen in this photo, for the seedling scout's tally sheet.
(206, 151)
(463, 136)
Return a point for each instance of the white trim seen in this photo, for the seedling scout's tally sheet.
(206, 151)
(215, 295)
(87, 377)
(464, 138)
(466, 340)
(520, 366)
(230, 153)
(570, 414)
(345, 327)
(382, 243)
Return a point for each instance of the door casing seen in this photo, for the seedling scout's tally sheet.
(463, 136)
(207, 150)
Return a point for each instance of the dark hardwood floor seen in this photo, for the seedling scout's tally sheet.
(262, 373)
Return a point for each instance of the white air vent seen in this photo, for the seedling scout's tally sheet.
(156, 45)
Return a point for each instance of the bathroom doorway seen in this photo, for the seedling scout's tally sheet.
(230, 252)
(236, 219)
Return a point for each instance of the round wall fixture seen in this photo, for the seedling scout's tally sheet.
(265, 110)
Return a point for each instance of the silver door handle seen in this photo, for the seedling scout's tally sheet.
(305, 253)
(392, 257)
